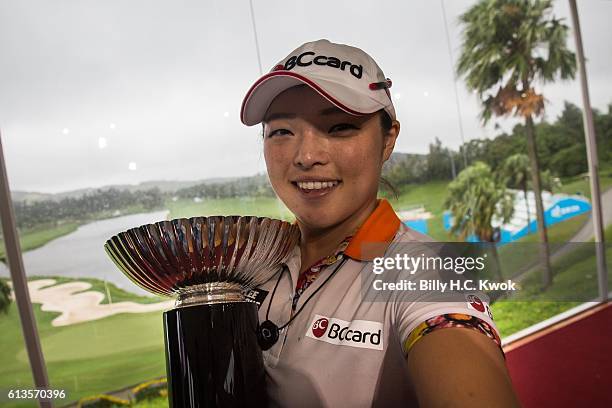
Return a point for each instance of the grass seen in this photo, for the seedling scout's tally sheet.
(152, 403)
(259, 206)
(574, 282)
(511, 317)
(516, 256)
(431, 196)
(581, 185)
(560, 232)
(87, 358)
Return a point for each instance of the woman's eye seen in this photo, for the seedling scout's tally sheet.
(278, 132)
(342, 126)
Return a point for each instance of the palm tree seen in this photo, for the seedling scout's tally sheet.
(515, 173)
(549, 181)
(5, 297)
(474, 198)
(508, 46)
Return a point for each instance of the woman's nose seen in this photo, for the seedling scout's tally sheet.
(312, 149)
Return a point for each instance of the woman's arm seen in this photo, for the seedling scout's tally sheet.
(459, 367)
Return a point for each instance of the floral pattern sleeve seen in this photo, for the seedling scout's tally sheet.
(452, 320)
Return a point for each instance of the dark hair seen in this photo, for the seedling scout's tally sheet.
(385, 123)
(388, 186)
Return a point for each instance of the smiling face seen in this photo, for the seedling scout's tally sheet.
(324, 163)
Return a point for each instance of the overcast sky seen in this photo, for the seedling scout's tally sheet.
(106, 92)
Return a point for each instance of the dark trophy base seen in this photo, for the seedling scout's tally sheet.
(212, 356)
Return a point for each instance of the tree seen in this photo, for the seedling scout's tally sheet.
(5, 297)
(508, 46)
(570, 161)
(515, 173)
(439, 165)
(475, 198)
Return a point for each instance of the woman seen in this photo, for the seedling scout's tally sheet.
(328, 126)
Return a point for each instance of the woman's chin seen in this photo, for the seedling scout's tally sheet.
(316, 221)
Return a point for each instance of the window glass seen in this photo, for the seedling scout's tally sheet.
(115, 114)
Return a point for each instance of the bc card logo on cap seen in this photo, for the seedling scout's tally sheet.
(358, 333)
(302, 61)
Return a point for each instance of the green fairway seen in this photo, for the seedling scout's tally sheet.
(430, 195)
(259, 206)
(574, 282)
(86, 358)
(581, 185)
(516, 256)
(560, 232)
(59, 346)
(153, 403)
(511, 317)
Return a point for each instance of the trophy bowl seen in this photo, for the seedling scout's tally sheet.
(207, 264)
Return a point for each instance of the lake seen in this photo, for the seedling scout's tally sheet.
(81, 254)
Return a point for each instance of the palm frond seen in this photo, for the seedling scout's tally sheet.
(510, 45)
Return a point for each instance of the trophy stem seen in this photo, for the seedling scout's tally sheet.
(210, 293)
(213, 359)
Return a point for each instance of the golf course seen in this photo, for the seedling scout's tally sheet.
(112, 353)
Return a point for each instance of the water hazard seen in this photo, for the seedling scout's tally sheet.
(81, 254)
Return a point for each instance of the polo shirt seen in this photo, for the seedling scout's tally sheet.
(342, 350)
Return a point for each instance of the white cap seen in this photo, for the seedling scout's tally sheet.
(346, 76)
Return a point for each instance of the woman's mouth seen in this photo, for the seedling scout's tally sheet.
(315, 189)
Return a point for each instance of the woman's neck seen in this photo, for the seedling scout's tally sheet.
(318, 243)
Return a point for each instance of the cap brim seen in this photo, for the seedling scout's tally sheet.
(262, 93)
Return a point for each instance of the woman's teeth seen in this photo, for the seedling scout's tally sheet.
(316, 185)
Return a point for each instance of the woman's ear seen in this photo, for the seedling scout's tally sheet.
(389, 140)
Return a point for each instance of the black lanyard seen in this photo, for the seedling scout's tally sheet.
(268, 332)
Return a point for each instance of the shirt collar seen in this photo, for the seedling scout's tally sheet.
(375, 234)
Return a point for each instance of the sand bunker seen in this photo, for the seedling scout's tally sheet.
(82, 306)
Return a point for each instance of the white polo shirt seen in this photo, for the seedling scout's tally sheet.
(342, 351)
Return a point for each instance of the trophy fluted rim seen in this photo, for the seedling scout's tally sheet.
(171, 257)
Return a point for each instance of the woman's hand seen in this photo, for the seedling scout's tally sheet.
(459, 367)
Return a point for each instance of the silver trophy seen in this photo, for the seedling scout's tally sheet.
(207, 264)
